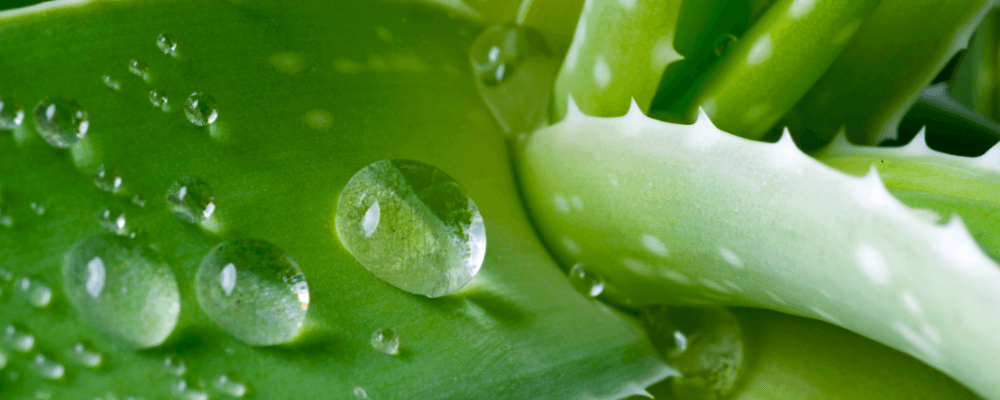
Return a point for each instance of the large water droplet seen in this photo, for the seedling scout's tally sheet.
(140, 68)
(18, 338)
(85, 354)
(201, 109)
(107, 179)
(413, 226)
(167, 44)
(61, 121)
(47, 368)
(254, 291)
(36, 292)
(386, 341)
(113, 220)
(123, 289)
(704, 344)
(11, 113)
(230, 385)
(586, 281)
(191, 199)
(723, 43)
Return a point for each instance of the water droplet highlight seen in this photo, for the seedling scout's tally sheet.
(11, 113)
(723, 43)
(201, 109)
(107, 179)
(111, 82)
(138, 67)
(360, 392)
(122, 288)
(113, 220)
(159, 99)
(37, 293)
(228, 384)
(18, 338)
(706, 346)
(191, 199)
(61, 121)
(167, 44)
(86, 355)
(47, 368)
(254, 291)
(425, 236)
(585, 281)
(385, 341)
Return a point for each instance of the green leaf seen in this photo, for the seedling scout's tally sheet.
(307, 94)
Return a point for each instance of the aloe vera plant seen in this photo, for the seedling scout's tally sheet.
(166, 144)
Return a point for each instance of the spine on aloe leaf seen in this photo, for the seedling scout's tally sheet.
(689, 214)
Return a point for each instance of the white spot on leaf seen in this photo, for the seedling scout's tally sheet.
(872, 263)
(654, 245)
(571, 245)
(760, 51)
(602, 73)
(638, 267)
(730, 257)
(561, 204)
(911, 303)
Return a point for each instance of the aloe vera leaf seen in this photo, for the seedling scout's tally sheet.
(882, 71)
(619, 51)
(688, 214)
(308, 94)
(974, 81)
(955, 127)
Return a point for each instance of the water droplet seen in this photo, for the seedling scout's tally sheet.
(113, 220)
(36, 292)
(723, 43)
(360, 392)
(3, 360)
(183, 389)
(386, 341)
(122, 288)
(85, 354)
(167, 44)
(497, 52)
(38, 208)
(17, 338)
(228, 384)
(159, 99)
(107, 179)
(586, 281)
(47, 368)
(6, 275)
(138, 67)
(11, 113)
(254, 291)
(175, 365)
(111, 82)
(139, 200)
(201, 109)
(191, 199)
(61, 121)
(425, 236)
(704, 344)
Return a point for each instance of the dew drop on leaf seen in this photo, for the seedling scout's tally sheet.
(385, 341)
(230, 385)
(107, 179)
(412, 226)
(191, 199)
(201, 109)
(706, 345)
(18, 338)
(254, 291)
(159, 99)
(497, 52)
(33, 290)
(174, 365)
(167, 44)
(140, 68)
(61, 121)
(723, 43)
(85, 354)
(360, 392)
(111, 82)
(11, 113)
(47, 368)
(122, 288)
(113, 220)
(586, 281)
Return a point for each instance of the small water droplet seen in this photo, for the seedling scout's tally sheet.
(425, 236)
(36, 292)
(139, 200)
(498, 51)
(167, 44)
(230, 385)
(723, 43)
(140, 68)
(254, 291)
(360, 392)
(191, 199)
(111, 82)
(47, 368)
(6, 274)
(11, 113)
(113, 220)
(704, 344)
(586, 281)
(386, 341)
(175, 365)
(122, 288)
(61, 121)
(3, 360)
(85, 354)
(185, 390)
(38, 208)
(18, 338)
(107, 179)
(201, 109)
(159, 99)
